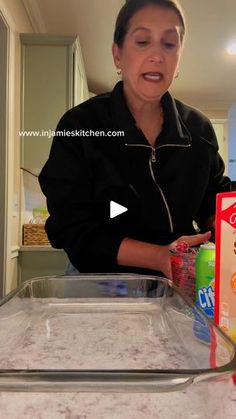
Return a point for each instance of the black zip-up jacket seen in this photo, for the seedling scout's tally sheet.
(164, 188)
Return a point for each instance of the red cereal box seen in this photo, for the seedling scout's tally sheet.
(225, 269)
(225, 276)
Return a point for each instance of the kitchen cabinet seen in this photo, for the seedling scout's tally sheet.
(36, 261)
(53, 80)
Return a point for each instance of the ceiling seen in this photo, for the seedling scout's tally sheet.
(207, 76)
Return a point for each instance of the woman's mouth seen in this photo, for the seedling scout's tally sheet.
(153, 76)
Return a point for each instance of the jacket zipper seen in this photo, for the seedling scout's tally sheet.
(153, 155)
(153, 159)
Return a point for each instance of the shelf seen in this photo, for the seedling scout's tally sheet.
(39, 249)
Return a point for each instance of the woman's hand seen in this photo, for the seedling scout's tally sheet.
(153, 256)
(194, 240)
(164, 254)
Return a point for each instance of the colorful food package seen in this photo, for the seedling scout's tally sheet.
(225, 268)
(183, 268)
(225, 276)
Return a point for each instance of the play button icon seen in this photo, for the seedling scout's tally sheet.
(116, 209)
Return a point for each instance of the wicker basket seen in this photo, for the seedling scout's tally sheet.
(34, 235)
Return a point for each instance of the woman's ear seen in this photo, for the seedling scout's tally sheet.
(116, 55)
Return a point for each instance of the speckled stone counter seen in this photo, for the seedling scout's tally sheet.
(56, 335)
(97, 406)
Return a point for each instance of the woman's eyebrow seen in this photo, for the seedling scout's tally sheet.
(172, 30)
(166, 31)
(140, 28)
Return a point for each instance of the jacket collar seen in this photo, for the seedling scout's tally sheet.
(174, 131)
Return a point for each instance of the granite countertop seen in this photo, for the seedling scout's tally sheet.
(56, 335)
(99, 406)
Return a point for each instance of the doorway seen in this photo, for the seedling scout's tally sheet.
(4, 36)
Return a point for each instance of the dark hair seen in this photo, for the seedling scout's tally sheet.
(133, 6)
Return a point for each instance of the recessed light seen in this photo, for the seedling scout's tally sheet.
(231, 48)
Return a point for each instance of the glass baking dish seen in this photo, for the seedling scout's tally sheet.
(108, 333)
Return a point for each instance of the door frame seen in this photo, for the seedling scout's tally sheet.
(4, 116)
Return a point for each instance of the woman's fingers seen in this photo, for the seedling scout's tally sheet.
(194, 240)
(164, 256)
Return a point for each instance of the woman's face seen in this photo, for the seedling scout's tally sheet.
(150, 54)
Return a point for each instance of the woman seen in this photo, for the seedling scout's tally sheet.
(165, 169)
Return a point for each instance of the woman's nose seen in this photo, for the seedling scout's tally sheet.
(156, 59)
(156, 56)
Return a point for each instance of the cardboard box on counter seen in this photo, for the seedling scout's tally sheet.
(225, 275)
